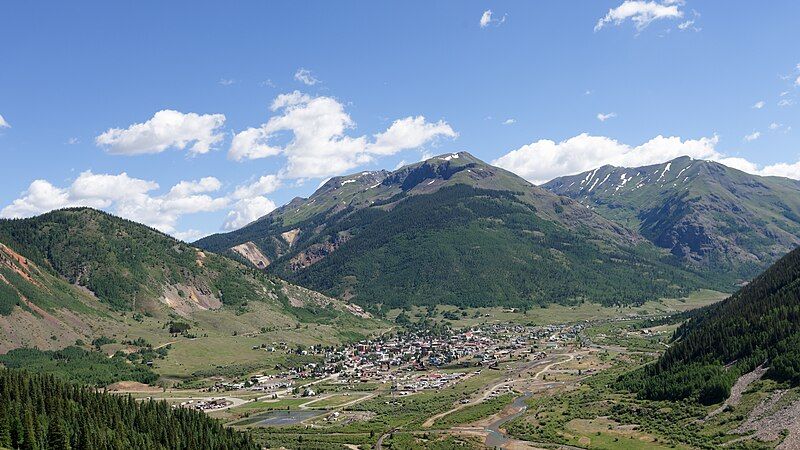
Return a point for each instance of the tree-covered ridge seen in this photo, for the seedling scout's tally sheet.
(42, 412)
(453, 229)
(79, 365)
(475, 247)
(730, 224)
(124, 263)
(759, 324)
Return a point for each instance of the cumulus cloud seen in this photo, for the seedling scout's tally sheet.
(306, 77)
(786, 170)
(603, 117)
(246, 211)
(123, 195)
(266, 184)
(226, 81)
(319, 146)
(3, 122)
(641, 13)
(752, 136)
(543, 160)
(166, 129)
(411, 132)
(510, 121)
(759, 104)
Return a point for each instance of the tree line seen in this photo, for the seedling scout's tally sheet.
(42, 412)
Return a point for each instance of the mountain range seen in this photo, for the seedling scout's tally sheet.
(727, 223)
(455, 230)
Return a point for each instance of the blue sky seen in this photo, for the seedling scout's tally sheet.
(306, 90)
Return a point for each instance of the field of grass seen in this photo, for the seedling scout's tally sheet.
(475, 412)
(605, 434)
(335, 400)
(560, 313)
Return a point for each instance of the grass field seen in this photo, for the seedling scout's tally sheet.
(564, 314)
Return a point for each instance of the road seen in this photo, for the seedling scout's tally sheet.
(428, 423)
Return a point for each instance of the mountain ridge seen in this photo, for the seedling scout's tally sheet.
(452, 205)
(711, 216)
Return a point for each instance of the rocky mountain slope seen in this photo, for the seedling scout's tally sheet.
(721, 220)
(451, 229)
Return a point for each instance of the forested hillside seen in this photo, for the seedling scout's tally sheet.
(125, 264)
(42, 412)
(759, 324)
(453, 230)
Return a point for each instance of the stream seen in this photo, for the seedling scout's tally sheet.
(497, 438)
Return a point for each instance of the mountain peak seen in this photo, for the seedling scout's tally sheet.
(704, 212)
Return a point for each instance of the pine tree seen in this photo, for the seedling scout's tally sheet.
(31, 441)
(57, 438)
(5, 429)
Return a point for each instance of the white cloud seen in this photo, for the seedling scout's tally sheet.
(544, 160)
(306, 77)
(752, 136)
(797, 81)
(246, 211)
(486, 18)
(166, 129)
(641, 13)
(759, 104)
(411, 132)
(123, 195)
(3, 123)
(786, 170)
(267, 184)
(319, 146)
(510, 121)
(267, 83)
(190, 235)
(785, 102)
(226, 81)
(685, 25)
(775, 126)
(73, 141)
(603, 117)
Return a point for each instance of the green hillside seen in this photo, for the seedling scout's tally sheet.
(125, 264)
(78, 274)
(727, 223)
(759, 324)
(454, 230)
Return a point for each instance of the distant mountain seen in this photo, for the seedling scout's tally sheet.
(759, 324)
(451, 229)
(713, 217)
(69, 274)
